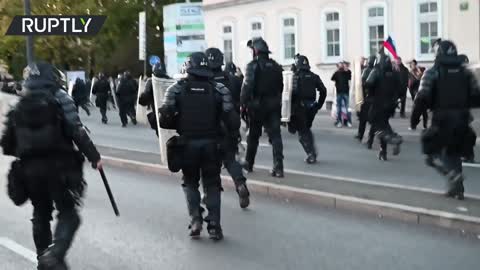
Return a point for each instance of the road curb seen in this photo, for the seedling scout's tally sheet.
(378, 209)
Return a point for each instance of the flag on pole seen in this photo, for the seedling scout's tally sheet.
(389, 44)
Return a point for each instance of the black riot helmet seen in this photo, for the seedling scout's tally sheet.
(197, 65)
(259, 45)
(446, 48)
(43, 75)
(215, 58)
(159, 70)
(371, 61)
(384, 62)
(231, 68)
(301, 62)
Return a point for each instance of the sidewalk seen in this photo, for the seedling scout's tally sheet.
(421, 207)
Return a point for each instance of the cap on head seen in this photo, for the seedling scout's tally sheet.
(197, 65)
(215, 58)
(301, 62)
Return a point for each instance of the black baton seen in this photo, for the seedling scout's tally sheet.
(109, 191)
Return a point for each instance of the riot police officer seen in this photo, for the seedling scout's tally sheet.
(196, 106)
(43, 132)
(231, 141)
(80, 95)
(126, 96)
(365, 107)
(449, 90)
(102, 90)
(385, 85)
(146, 98)
(305, 105)
(260, 102)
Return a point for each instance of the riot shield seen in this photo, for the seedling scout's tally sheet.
(357, 84)
(141, 112)
(70, 87)
(159, 88)
(287, 96)
(94, 80)
(113, 95)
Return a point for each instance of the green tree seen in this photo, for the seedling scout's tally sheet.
(118, 36)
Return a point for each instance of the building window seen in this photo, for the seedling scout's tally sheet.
(256, 28)
(376, 29)
(289, 38)
(332, 36)
(428, 26)
(227, 42)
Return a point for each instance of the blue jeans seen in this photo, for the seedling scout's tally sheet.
(342, 99)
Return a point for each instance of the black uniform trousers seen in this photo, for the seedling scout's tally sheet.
(380, 121)
(202, 160)
(127, 108)
(301, 121)
(363, 119)
(101, 102)
(59, 183)
(234, 168)
(413, 93)
(271, 121)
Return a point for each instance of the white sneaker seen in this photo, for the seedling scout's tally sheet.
(339, 125)
(349, 124)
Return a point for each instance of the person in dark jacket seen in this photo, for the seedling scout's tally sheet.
(385, 85)
(127, 91)
(231, 141)
(305, 105)
(416, 73)
(80, 95)
(342, 78)
(260, 99)
(101, 89)
(404, 76)
(45, 134)
(367, 102)
(449, 90)
(196, 107)
(146, 98)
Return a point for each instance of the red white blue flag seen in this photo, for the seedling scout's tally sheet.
(389, 44)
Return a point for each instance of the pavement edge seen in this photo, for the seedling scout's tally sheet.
(378, 209)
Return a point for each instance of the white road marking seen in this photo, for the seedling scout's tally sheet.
(462, 209)
(471, 165)
(260, 144)
(18, 249)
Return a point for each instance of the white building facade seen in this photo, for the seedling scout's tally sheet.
(328, 31)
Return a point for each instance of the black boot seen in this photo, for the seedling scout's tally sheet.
(455, 186)
(196, 227)
(311, 159)
(382, 155)
(49, 261)
(243, 196)
(215, 231)
(277, 170)
(192, 195)
(247, 166)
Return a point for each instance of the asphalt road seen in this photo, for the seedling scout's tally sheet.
(339, 154)
(273, 234)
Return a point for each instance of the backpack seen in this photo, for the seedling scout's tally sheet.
(38, 124)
